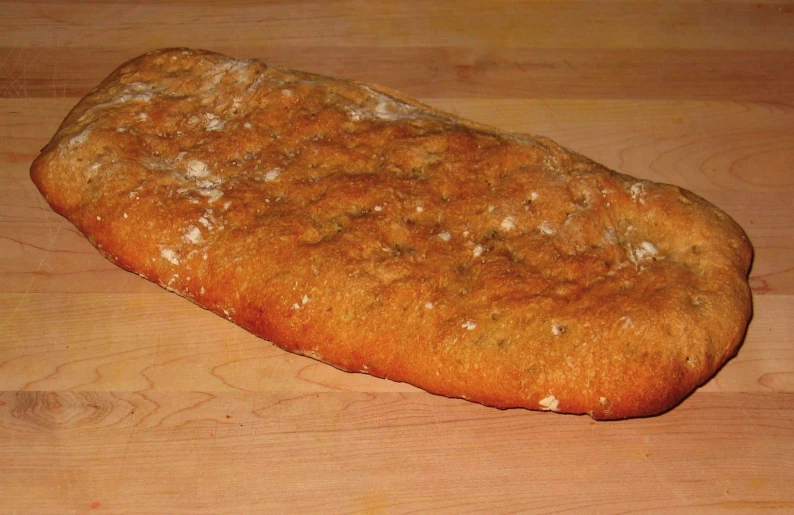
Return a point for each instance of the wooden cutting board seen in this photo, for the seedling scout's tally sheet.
(117, 396)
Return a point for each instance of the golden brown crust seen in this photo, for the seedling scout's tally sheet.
(349, 223)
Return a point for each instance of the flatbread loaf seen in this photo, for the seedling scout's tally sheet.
(349, 223)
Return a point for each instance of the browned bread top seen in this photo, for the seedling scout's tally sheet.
(349, 223)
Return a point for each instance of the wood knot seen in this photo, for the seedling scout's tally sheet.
(59, 411)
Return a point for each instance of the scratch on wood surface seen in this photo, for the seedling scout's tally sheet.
(14, 72)
(780, 413)
(126, 454)
(749, 418)
(34, 273)
(156, 362)
(13, 87)
(667, 485)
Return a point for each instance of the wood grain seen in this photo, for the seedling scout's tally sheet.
(358, 452)
(119, 397)
(459, 72)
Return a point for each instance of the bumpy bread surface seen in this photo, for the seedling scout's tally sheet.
(346, 222)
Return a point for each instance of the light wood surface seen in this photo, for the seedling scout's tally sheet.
(117, 396)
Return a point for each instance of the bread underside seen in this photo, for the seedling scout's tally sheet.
(349, 223)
